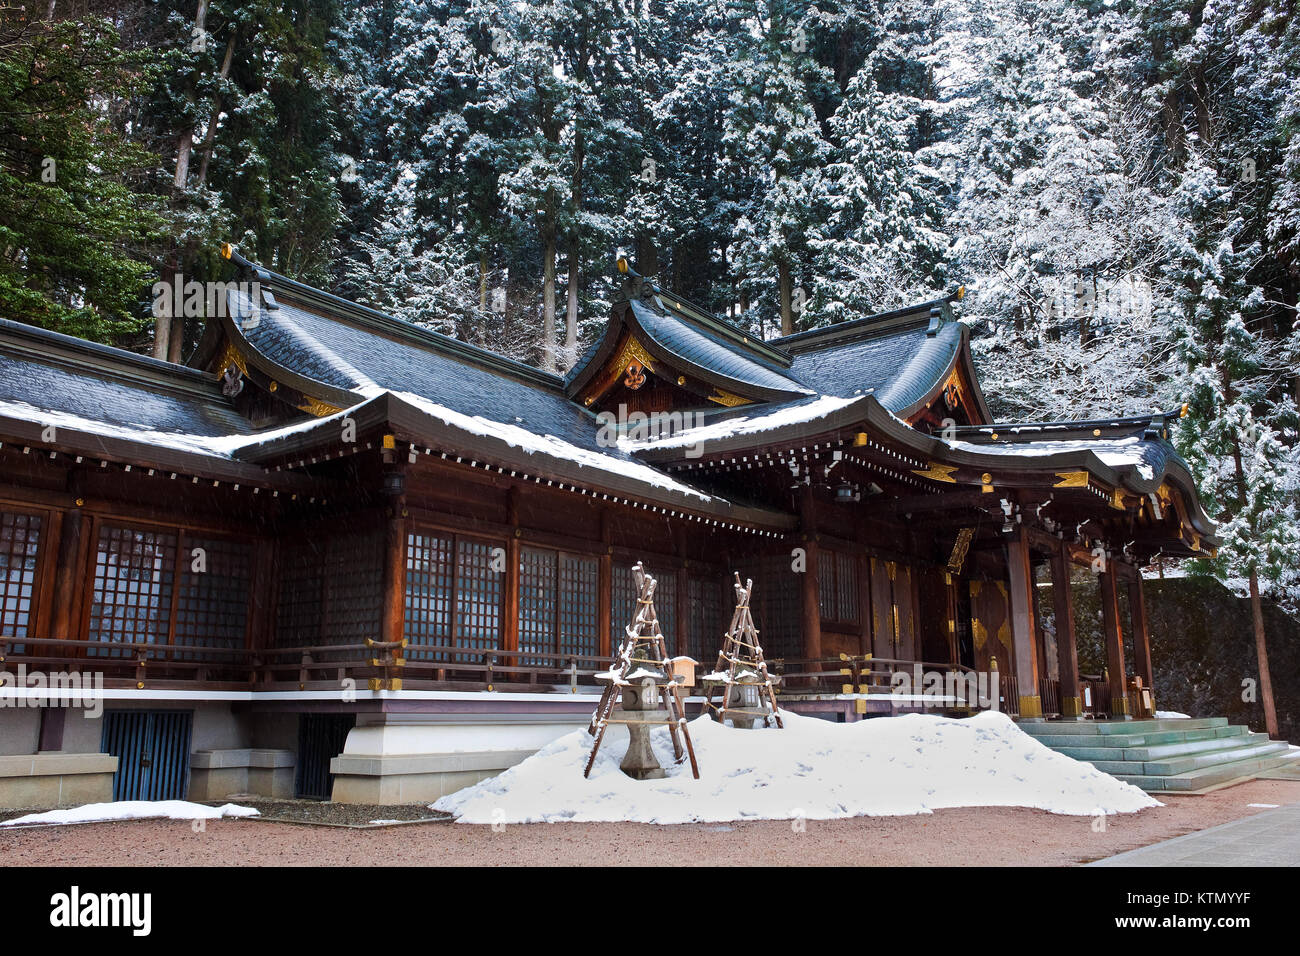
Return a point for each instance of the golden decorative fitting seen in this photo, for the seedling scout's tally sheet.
(226, 250)
(622, 264)
(937, 472)
(1182, 412)
(860, 439)
(81, 502)
(390, 442)
(274, 386)
(681, 379)
(1071, 479)
(727, 399)
(314, 406)
(961, 292)
(994, 436)
(986, 478)
(1096, 433)
(139, 685)
(230, 356)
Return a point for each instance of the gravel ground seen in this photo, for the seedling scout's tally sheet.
(978, 835)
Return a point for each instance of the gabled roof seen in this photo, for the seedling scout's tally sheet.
(900, 356)
(690, 341)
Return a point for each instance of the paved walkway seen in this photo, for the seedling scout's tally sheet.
(1269, 838)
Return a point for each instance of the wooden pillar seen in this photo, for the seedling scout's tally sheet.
(67, 578)
(812, 615)
(1141, 637)
(1067, 650)
(1114, 645)
(1024, 640)
(394, 607)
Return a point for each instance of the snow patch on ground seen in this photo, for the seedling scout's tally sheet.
(133, 810)
(1170, 715)
(888, 766)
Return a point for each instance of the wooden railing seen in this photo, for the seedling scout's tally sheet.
(321, 666)
(856, 674)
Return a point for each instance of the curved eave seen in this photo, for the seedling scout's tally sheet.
(931, 389)
(145, 452)
(411, 423)
(868, 414)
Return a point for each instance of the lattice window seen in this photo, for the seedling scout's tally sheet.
(212, 603)
(846, 586)
(705, 631)
(354, 581)
(300, 609)
(666, 609)
(132, 595)
(480, 586)
(837, 586)
(537, 602)
(331, 590)
(579, 604)
(777, 612)
(19, 539)
(430, 573)
(622, 604)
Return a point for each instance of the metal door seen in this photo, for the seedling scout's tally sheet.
(153, 753)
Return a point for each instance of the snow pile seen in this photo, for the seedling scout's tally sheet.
(888, 766)
(133, 810)
(1170, 715)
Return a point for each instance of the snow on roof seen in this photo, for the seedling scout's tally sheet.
(1113, 452)
(794, 414)
(812, 768)
(530, 442)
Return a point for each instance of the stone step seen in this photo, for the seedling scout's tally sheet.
(1203, 777)
(1174, 766)
(1190, 747)
(1048, 728)
(1115, 742)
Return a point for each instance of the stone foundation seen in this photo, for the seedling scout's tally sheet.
(218, 774)
(56, 779)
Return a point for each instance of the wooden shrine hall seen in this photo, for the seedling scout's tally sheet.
(341, 556)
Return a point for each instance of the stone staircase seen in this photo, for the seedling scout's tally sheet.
(1182, 755)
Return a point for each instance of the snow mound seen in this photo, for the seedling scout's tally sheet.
(133, 810)
(1170, 715)
(814, 769)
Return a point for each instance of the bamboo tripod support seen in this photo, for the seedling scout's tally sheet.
(644, 644)
(742, 659)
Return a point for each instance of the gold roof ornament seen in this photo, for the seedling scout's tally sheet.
(1071, 479)
(937, 472)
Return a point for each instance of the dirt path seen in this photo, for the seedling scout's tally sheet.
(985, 836)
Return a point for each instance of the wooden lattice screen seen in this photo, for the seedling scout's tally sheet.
(132, 595)
(212, 605)
(704, 632)
(19, 540)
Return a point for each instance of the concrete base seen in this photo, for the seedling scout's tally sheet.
(217, 774)
(417, 758)
(56, 779)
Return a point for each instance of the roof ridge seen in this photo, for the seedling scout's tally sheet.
(855, 328)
